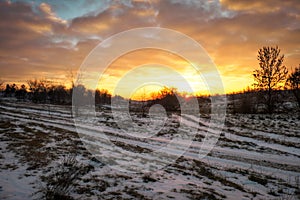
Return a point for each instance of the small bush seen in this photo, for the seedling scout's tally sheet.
(257, 179)
(147, 178)
(62, 180)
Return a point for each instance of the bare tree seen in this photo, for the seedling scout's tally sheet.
(270, 76)
(294, 83)
(39, 90)
(168, 98)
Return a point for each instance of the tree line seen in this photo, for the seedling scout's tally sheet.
(272, 84)
(44, 91)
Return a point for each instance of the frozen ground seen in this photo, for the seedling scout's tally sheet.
(256, 157)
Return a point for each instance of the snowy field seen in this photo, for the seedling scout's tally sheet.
(256, 157)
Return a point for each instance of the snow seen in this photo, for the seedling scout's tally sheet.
(250, 144)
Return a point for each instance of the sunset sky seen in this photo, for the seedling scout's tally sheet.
(48, 39)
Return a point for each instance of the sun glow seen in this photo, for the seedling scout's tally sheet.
(144, 72)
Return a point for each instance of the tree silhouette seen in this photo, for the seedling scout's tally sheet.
(21, 93)
(38, 90)
(294, 83)
(168, 99)
(270, 76)
(10, 90)
(58, 94)
(7, 90)
(102, 97)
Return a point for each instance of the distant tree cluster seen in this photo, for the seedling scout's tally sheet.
(44, 91)
(168, 97)
(102, 97)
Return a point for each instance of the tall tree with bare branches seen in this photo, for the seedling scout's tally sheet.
(270, 76)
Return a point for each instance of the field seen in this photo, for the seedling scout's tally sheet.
(256, 157)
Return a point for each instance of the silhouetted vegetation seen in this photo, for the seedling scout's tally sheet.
(243, 102)
(267, 95)
(204, 104)
(44, 91)
(102, 97)
(168, 98)
(270, 76)
(61, 181)
(294, 83)
(10, 90)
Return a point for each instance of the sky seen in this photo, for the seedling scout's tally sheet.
(51, 39)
